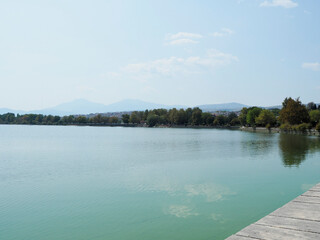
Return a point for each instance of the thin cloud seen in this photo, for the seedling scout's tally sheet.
(183, 41)
(185, 35)
(182, 38)
(279, 3)
(174, 66)
(312, 66)
(223, 32)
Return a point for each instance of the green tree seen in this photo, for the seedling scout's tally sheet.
(173, 116)
(96, 118)
(125, 118)
(152, 119)
(293, 112)
(196, 116)
(235, 122)
(163, 119)
(182, 117)
(105, 119)
(189, 115)
(64, 120)
(275, 111)
(114, 119)
(134, 118)
(9, 117)
(314, 117)
(252, 114)
(159, 112)
(220, 120)
(266, 117)
(56, 119)
(81, 119)
(140, 115)
(207, 118)
(231, 116)
(39, 119)
(285, 102)
(49, 119)
(71, 119)
(145, 114)
(311, 106)
(243, 116)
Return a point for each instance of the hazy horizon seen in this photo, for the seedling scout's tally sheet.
(191, 53)
(124, 100)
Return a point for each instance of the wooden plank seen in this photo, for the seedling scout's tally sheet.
(307, 199)
(273, 233)
(299, 210)
(315, 190)
(302, 206)
(298, 219)
(291, 223)
(316, 187)
(312, 194)
(235, 237)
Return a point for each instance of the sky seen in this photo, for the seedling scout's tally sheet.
(255, 52)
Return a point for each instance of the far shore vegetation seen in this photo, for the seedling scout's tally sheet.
(294, 116)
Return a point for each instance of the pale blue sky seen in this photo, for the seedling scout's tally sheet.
(254, 52)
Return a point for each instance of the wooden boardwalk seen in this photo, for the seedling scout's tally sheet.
(298, 219)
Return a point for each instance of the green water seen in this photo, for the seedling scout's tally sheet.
(145, 183)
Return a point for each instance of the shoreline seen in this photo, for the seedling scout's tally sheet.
(311, 132)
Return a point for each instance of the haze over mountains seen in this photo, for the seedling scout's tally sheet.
(222, 107)
(82, 106)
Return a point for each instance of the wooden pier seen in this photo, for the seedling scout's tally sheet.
(298, 219)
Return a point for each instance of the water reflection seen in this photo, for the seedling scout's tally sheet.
(181, 211)
(257, 143)
(295, 148)
(212, 192)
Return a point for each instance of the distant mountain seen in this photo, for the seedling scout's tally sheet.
(82, 106)
(78, 106)
(273, 107)
(222, 107)
(8, 110)
(137, 105)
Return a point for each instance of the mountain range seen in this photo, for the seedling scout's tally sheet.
(233, 106)
(82, 106)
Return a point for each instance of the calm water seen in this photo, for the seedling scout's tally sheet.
(142, 183)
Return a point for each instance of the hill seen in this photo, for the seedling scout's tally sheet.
(233, 106)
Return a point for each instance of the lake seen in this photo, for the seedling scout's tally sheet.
(101, 183)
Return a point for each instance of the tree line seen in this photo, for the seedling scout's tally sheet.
(40, 119)
(184, 117)
(293, 116)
